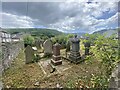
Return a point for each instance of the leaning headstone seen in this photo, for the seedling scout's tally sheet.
(75, 54)
(29, 54)
(56, 55)
(47, 47)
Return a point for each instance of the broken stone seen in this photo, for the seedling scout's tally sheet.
(57, 85)
(37, 84)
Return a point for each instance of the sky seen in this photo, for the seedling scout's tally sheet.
(70, 16)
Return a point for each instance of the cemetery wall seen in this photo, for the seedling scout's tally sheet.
(9, 52)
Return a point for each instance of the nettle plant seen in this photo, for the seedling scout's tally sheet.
(106, 50)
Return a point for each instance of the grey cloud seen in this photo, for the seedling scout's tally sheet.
(45, 12)
(55, 13)
(14, 7)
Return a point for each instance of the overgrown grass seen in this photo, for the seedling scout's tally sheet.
(22, 75)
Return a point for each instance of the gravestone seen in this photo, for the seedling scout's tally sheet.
(56, 55)
(29, 54)
(47, 47)
(75, 54)
(37, 44)
(87, 47)
(68, 46)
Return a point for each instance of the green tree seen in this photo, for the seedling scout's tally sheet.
(29, 40)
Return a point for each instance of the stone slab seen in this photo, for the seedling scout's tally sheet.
(45, 65)
(59, 62)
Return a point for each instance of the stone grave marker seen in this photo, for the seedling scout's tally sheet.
(87, 47)
(56, 55)
(47, 47)
(75, 54)
(68, 46)
(29, 54)
(37, 44)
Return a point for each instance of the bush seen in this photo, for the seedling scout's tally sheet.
(36, 58)
(28, 40)
(62, 39)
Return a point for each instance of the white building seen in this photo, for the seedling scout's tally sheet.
(5, 37)
(16, 37)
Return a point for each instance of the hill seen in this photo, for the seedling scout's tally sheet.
(36, 32)
(107, 32)
(79, 34)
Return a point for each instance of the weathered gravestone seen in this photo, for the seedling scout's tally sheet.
(37, 44)
(29, 54)
(75, 54)
(47, 47)
(56, 55)
(68, 46)
(87, 47)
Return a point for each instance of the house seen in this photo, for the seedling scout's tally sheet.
(5, 37)
(15, 37)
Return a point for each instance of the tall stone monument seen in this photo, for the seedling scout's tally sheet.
(74, 53)
(56, 55)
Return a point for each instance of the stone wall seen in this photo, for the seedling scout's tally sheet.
(115, 79)
(9, 52)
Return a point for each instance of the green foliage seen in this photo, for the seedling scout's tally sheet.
(90, 38)
(36, 32)
(89, 59)
(106, 51)
(99, 81)
(29, 40)
(36, 58)
(70, 84)
(62, 39)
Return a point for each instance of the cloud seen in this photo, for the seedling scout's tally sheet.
(63, 16)
(14, 21)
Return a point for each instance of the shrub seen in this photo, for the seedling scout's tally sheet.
(36, 58)
(29, 40)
